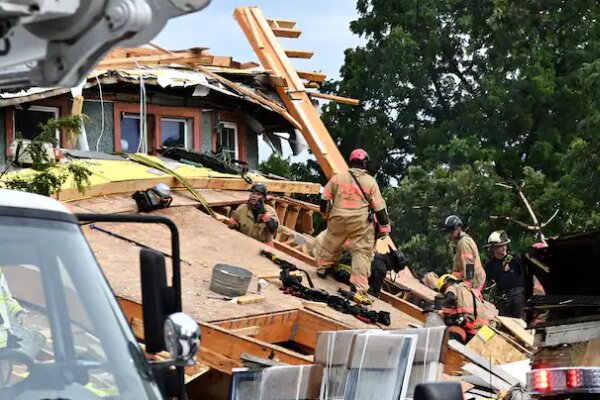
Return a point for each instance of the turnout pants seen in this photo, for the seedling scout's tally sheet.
(512, 303)
(360, 233)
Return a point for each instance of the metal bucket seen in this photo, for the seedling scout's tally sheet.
(229, 280)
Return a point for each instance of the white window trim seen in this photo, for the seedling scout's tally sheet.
(54, 110)
(234, 126)
(186, 124)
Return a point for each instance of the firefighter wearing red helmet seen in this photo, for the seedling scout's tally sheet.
(354, 208)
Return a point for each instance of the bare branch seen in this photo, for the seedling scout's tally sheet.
(504, 186)
(551, 218)
(522, 224)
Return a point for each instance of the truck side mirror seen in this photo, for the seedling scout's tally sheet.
(438, 391)
(154, 299)
(182, 338)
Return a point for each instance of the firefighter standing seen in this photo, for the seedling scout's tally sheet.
(506, 270)
(256, 218)
(467, 264)
(463, 311)
(351, 201)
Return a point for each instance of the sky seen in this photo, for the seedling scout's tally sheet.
(324, 25)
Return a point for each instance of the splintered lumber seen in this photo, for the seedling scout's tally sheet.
(281, 23)
(496, 348)
(249, 65)
(517, 326)
(494, 380)
(272, 56)
(250, 299)
(339, 99)
(290, 251)
(299, 53)
(482, 362)
(312, 76)
(286, 33)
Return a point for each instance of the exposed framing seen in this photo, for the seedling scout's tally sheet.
(155, 113)
(223, 342)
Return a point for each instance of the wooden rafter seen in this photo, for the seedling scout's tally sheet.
(287, 33)
(281, 23)
(339, 99)
(299, 53)
(272, 56)
(312, 76)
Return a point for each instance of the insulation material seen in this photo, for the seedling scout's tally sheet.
(379, 365)
(332, 351)
(301, 382)
(427, 366)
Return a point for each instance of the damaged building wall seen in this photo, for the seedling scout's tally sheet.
(93, 126)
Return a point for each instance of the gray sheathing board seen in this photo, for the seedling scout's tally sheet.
(93, 126)
(2, 138)
(207, 123)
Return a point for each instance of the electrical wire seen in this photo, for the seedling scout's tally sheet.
(102, 123)
(142, 146)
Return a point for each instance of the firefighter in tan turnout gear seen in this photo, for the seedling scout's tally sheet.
(467, 264)
(463, 311)
(354, 208)
(256, 218)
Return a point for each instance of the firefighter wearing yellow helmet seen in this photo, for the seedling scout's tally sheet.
(506, 270)
(463, 311)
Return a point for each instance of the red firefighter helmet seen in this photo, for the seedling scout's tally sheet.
(359, 154)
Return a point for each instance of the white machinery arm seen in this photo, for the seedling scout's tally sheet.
(50, 43)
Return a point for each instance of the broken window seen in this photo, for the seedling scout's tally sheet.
(227, 140)
(28, 119)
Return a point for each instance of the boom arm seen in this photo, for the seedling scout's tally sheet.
(51, 43)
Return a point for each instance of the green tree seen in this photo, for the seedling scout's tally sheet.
(46, 175)
(457, 81)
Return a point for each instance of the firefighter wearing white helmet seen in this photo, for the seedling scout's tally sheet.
(467, 264)
(506, 270)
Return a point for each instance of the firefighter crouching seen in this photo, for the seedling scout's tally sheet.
(256, 218)
(463, 311)
(351, 201)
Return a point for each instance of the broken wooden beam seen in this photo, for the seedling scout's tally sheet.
(281, 23)
(312, 76)
(287, 33)
(338, 99)
(249, 65)
(306, 54)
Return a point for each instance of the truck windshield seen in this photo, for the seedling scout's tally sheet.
(62, 334)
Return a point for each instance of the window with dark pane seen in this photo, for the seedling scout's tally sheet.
(130, 133)
(173, 132)
(28, 120)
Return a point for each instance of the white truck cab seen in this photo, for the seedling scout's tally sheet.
(62, 332)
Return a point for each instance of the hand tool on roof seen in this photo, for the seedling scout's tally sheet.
(355, 297)
(286, 265)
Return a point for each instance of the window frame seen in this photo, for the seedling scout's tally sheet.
(187, 123)
(49, 109)
(235, 127)
(155, 113)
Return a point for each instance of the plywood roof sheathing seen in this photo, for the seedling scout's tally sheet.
(299, 53)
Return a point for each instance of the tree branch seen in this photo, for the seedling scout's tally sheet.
(510, 219)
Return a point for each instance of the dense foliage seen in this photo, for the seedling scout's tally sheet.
(458, 95)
